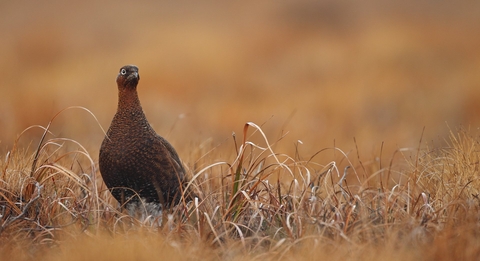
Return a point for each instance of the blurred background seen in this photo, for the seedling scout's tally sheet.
(326, 72)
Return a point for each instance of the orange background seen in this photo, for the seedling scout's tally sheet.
(325, 72)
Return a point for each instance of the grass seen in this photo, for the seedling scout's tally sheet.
(257, 205)
(321, 71)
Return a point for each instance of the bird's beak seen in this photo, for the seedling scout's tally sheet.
(135, 74)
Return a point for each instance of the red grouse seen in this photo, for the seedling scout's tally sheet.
(135, 162)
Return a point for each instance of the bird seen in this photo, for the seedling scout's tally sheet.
(137, 164)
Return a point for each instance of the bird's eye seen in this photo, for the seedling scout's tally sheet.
(123, 72)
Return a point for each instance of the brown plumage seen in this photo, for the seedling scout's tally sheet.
(134, 160)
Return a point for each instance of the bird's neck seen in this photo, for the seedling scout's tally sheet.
(128, 100)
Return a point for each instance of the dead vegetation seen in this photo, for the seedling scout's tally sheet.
(258, 205)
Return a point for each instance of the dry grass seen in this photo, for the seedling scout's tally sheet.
(258, 205)
(368, 85)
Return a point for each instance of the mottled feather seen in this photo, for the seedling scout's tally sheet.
(134, 160)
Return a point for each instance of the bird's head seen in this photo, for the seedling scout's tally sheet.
(128, 77)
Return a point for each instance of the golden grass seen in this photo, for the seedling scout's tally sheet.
(257, 205)
(327, 72)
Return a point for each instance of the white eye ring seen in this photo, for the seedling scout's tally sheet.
(123, 72)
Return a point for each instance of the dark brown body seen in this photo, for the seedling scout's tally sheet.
(133, 158)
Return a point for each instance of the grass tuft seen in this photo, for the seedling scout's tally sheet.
(258, 205)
